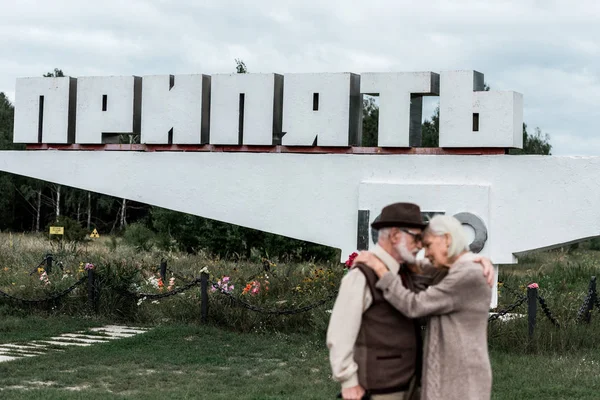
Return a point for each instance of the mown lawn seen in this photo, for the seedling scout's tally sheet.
(15, 327)
(196, 362)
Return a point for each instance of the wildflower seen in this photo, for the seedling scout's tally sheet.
(533, 286)
(5, 269)
(44, 278)
(171, 284)
(225, 279)
(350, 259)
(40, 270)
(89, 266)
(155, 302)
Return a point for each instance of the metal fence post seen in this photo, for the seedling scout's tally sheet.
(204, 296)
(91, 286)
(532, 295)
(163, 270)
(592, 300)
(48, 263)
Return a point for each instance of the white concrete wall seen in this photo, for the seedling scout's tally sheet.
(55, 117)
(534, 201)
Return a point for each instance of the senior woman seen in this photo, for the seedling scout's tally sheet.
(456, 362)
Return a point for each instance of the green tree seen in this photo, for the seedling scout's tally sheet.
(56, 74)
(536, 143)
(240, 66)
(430, 130)
(370, 124)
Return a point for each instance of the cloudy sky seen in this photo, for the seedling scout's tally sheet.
(547, 50)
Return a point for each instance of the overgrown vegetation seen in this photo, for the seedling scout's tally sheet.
(274, 284)
(122, 268)
(179, 358)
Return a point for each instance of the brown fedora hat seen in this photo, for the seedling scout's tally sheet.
(400, 215)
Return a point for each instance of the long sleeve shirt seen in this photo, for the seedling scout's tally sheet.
(353, 299)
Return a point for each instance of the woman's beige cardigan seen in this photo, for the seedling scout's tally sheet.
(456, 363)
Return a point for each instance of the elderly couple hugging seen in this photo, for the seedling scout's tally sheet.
(375, 331)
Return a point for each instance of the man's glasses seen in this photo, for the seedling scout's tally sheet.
(417, 236)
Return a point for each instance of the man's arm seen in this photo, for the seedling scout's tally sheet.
(344, 326)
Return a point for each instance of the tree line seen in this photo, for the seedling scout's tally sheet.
(31, 205)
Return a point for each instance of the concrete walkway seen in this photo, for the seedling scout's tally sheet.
(104, 334)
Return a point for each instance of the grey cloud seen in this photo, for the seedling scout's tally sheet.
(546, 50)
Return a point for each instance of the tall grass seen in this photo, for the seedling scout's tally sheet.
(563, 277)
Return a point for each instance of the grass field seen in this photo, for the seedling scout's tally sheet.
(245, 355)
(195, 362)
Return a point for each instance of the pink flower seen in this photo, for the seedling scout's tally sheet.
(89, 266)
(225, 279)
(533, 286)
(231, 288)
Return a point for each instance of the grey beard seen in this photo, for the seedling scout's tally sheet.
(406, 255)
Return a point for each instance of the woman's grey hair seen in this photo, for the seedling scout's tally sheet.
(444, 224)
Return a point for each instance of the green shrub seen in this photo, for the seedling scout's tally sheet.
(138, 236)
(594, 244)
(74, 232)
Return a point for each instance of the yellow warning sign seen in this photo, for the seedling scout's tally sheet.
(57, 230)
(95, 234)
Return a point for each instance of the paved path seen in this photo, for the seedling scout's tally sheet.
(104, 334)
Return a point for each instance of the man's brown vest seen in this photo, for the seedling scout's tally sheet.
(387, 349)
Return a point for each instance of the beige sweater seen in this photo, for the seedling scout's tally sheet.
(456, 362)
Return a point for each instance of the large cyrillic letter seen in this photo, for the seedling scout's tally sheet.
(322, 109)
(245, 109)
(44, 110)
(175, 109)
(400, 104)
(107, 107)
(472, 117)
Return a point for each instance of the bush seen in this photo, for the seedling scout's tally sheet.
(138, 236)
(595, 244)
(74, 232)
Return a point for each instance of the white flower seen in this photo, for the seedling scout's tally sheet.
(205, 269)
(155, 302)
